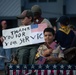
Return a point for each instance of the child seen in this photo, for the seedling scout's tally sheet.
(49, 51)
(64, 35)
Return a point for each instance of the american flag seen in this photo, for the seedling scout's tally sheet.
(38, 27)
(54, 69)
(41, 60)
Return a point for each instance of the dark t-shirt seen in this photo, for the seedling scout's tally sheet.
(65, 40)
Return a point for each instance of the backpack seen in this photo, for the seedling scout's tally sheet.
(70, 55)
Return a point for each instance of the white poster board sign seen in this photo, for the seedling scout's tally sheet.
(22, 36)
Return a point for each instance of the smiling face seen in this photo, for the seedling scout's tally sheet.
(49, 37)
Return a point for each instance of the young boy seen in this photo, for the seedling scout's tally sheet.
(50, 51)
(64, 35)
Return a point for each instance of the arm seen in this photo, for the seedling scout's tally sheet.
(1, 39)
(0, 31)
(43, 51)
(47, 22)
(39, 51)
(56, 59)
(47, 52)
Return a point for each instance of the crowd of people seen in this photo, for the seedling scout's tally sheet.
(56, 41)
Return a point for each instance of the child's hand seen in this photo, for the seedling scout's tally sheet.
(49, 58)
(47, 52)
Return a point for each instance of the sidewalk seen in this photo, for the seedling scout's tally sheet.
(2, 72)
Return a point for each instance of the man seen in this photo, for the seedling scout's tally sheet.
(4, 52)
(0, 35)
(38, 16)
(26, 54)
(26, 17)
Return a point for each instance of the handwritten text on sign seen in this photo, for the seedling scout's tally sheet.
(25, 35)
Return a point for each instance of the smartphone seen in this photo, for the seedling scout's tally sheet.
(41, 60)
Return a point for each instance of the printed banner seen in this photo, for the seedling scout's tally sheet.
(25, 35)
(42, 69)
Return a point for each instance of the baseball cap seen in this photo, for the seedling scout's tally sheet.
(25, 13)
(64, 20)
(36, 8)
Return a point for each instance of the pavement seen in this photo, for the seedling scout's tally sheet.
(2, 72)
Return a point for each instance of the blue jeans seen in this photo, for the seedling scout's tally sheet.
(7, 54)
(1, 59)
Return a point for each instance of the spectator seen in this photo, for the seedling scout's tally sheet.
(0, 35)
(64, 35)
(26, 54)
(37, 16)
(4, 52)
(50, 50)
(0, 30)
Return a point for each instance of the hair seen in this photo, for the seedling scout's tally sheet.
(49, 30)
(65, 20)
(2, 20)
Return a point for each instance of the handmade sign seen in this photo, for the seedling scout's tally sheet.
(25, 35)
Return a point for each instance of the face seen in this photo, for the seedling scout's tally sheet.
(26, 21)
(49, 37)
(4, 24)
(36, 15)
